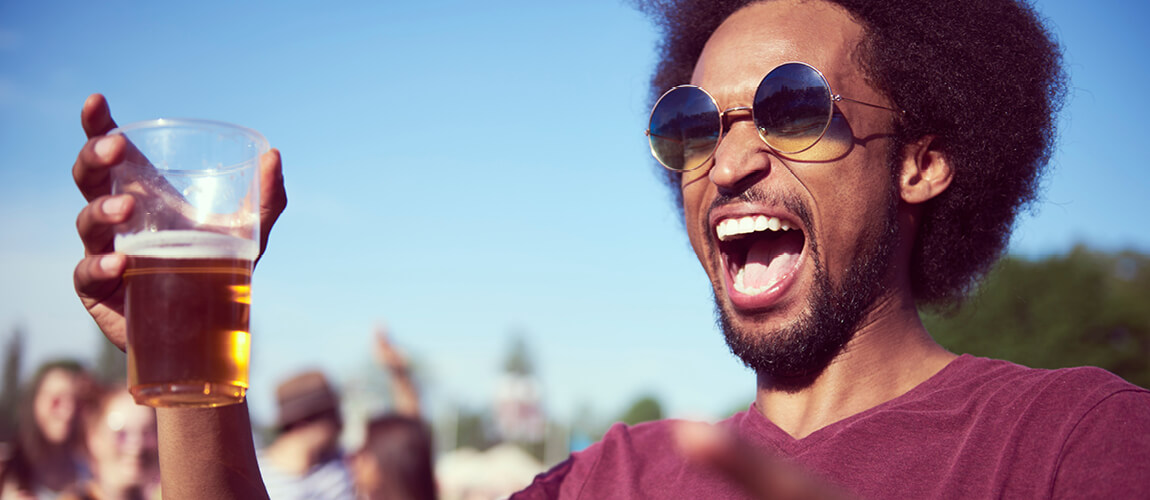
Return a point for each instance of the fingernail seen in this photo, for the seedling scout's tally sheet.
(113, 205)
(104, 148)
(111, 263)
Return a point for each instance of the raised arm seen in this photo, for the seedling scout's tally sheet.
(402, 387)
(204, 453)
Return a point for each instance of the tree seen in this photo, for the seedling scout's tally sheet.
(518, 360)
(472, 430)
(1082, 308)
(645, 409)
(10, 384)
(111, 363)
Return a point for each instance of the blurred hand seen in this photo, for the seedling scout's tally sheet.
(97, 277)
(388, 355)
(760, 475)
(403, 390)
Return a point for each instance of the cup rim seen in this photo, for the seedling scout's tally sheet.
(257, 139)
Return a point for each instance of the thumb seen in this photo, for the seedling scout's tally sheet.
(273, 196)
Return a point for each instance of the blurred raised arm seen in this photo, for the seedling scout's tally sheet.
(402, 387)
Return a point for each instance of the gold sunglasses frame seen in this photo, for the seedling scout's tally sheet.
(833, 97)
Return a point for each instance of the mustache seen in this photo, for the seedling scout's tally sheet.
(792, 203)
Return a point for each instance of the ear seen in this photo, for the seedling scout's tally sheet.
(926, 171)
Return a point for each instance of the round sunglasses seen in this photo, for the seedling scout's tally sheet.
(792, 110)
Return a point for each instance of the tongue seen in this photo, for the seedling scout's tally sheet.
(768, 259)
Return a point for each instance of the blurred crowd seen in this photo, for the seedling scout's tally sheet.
(78, 438)
(81, 438)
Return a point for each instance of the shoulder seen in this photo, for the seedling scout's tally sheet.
(627, 447)
(1093, 426)
(1106, 449)
(625, 457)
(642, 439)
(1003, 386)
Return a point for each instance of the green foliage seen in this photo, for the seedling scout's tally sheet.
(645, 409)
(472, 430)
(111, 363)
(1083, 308)
(10, 384)
(518, 359)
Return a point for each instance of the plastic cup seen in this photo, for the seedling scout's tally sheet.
(190, 244)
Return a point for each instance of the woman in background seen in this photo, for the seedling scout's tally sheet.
(122, 448)
(45, 455)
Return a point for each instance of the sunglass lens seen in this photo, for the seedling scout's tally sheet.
(792, 107)
(684, 128)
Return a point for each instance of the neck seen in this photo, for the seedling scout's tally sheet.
(890, 353)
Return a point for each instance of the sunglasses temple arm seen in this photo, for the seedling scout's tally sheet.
(838, 97)
(664, 137)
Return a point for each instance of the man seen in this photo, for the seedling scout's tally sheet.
(838, 165)
(304, 461)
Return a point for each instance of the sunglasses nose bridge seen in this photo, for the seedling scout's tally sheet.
(741, 157)
(740, 113)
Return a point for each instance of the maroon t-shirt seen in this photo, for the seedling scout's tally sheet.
(979, 428)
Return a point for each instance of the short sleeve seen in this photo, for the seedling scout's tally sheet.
(1107, 454)
(547, 484)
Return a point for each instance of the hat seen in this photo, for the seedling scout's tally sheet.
(302, 396)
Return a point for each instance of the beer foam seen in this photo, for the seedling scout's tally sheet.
(186, 244)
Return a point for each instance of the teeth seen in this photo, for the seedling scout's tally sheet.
(729, 228)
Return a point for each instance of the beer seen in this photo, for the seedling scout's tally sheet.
(187, 301)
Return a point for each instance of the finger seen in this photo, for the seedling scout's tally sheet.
(273, 196)
(93, 168)
(97, 220)
(97, 278)
(96, 116)
(706, 444)
(760, 475)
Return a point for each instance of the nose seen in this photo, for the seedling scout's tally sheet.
(741, 158)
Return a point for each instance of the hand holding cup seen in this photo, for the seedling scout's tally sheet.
(162, 207)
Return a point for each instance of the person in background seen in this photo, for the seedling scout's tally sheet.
(45, 458)
(121, 445)
(395, 462)
(304, 461)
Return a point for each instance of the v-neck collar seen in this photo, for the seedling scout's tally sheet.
(754, 424)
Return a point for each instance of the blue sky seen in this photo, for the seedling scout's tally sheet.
(463, 170)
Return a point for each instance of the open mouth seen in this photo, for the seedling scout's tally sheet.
(760, 252)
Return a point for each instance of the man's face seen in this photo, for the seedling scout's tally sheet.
(790, 299)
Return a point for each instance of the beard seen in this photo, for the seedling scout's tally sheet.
(796, 354)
